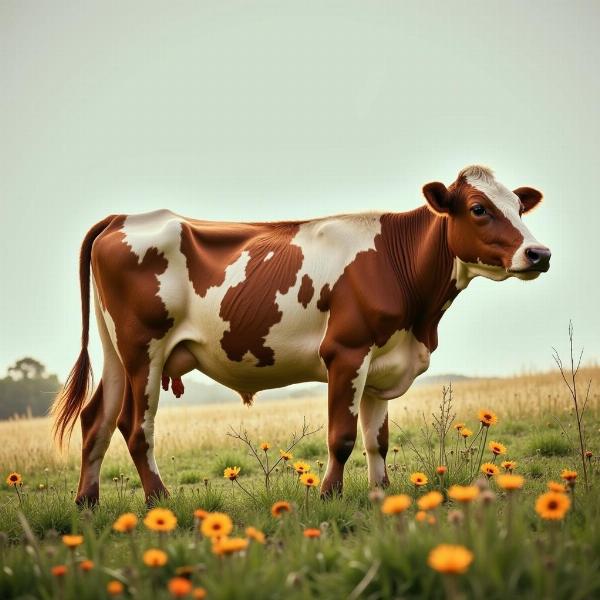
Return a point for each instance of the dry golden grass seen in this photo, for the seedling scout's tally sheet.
(28, 442)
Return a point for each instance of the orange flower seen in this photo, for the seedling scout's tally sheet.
(280, 507)
(114, 588)
(418, 479)
(160, 519)
(569, 476)
(285, 455)
(155, 558)
(226, 545)
(552, 506)
(255, 534)
(394, 505)
(309, 480)
(86, 565)
(216, 525)
(487, 417)
(449, 559)
(126, 523)
(458, 426)
(13, 479)
(200, 514)
(311, 532)
(301, 467)
(466, 432)
(509, 465)
(441, 470)
(231, 473)
(430, 500)
(179, 587)
(59, 570)
(463, 493)
(72, 541)
(199, 593)
(554, 486)
(497, 448)
(421, 516)
(510, 482)
(489, 469)
(265, 446)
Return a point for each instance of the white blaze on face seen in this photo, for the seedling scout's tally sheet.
(509, 205)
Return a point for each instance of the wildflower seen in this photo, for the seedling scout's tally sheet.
(160, 519)
(430, 500)
(431, 519)
(588, 454)
(199, 593)
(489, 469)
(280, 507)
(319, 464)
(14, 479)
(456, 517)
(487, 497)
(264, 446)
(114, 588)
(463, 493)
(226, 545)
(179, 587)
(497, 448)
(450, 559)
(510, 482)
(466, 432)
(458, 426)
(216, 525)
(509, 465)
(394, 505)
(72, 541)
(311, 532)
(255, 534)
(200, 514)
(231, 473)
(418, 479)
(309, 480)
(126, 523)
(301, 467)
(421, 516)
(441, 470)
(487, 418)
(554, 486)
(569, 476)
(285, 455)
(86, 565)
(155, 558)
(552, 506)
(59, 570)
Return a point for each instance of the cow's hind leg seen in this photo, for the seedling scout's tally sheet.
(374, 425)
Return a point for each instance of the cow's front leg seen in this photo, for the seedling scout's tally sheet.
(374, 426)
(346, 380)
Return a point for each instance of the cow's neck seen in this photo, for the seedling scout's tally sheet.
(424, 265)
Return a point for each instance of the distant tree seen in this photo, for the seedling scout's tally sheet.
(27, 368)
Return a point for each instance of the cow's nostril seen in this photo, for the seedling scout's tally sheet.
(533, 255)
(538, 257)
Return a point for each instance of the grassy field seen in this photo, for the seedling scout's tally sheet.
(361, 552)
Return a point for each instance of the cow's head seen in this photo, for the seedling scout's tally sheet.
(485, 229)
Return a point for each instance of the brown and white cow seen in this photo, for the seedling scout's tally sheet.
(351, 300)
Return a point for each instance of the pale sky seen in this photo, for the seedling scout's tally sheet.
(286, 110)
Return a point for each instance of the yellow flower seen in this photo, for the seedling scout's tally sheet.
(487, 417)
(497, 448)
(489, 469)
(114, 588)
(199, 593)
(160, 519)
(216, 525)
(126, 523)
(458, 426)
(569, 476)
(466, 432)
(13, 479)
(285, 455)
(255, 534)
(421, 516)
(309, 480)
(450, 559)
(430, 500)
(418, 479)
(552, 506)
(509, 465)
(155, 558)
(231, 473)
(301, 467)
(394, 505)
(72, 541)
(280, 507)
(463, 493)
(179, 587)
(265, 446)
(311, 532)
(226, 545)
(510, 482)
(554, 486)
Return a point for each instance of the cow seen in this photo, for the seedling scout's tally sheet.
(352, 300)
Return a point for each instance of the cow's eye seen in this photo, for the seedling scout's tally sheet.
(478, 210)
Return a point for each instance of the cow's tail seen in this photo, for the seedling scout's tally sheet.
(70, 400)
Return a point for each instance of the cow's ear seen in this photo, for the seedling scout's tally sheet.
(438, 197)
(529, 197)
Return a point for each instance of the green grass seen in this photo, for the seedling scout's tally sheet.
(361, 553)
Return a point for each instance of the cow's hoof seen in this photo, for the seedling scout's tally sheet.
(156, 496)
(87, 501)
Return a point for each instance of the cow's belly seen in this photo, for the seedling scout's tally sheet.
(395, 366)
